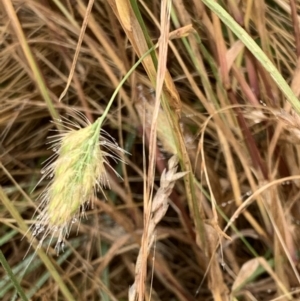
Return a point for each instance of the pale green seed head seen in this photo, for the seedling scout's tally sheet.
(77, 172)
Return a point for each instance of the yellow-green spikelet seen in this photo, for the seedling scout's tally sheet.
(76, 172)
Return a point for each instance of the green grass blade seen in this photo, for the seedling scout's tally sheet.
(255, 50)
(12, 277)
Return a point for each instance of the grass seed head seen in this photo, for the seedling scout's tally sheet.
(77, 171)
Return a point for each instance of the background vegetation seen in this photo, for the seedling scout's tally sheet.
(231, 231)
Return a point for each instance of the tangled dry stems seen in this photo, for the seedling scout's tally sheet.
(231, 166)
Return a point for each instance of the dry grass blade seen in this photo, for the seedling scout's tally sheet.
(160, 79)
(148, 205)
(78, 47)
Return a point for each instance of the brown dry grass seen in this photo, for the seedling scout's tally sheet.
(232, 228)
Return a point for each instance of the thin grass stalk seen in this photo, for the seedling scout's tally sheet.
(78, 46)
(295, 26)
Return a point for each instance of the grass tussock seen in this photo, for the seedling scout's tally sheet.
(146, 88)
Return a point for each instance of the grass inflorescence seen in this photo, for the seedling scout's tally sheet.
(77, 171)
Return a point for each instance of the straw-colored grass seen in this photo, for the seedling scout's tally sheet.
(214, 84)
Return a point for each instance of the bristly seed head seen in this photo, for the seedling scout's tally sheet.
(77, 171)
